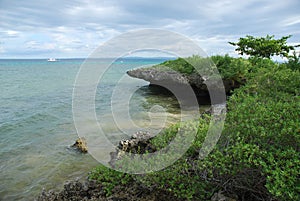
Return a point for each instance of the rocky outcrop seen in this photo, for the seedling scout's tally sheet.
(154, 75)
(89, 190)
(93, 191)
(138, 143)
(81, 145)
(75, 190)
(166, 78)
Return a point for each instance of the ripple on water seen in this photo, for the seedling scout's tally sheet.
(36, 124)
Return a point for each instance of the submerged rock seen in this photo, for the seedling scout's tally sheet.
(81, 145)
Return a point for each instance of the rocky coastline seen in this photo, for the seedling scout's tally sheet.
(93, 191)
(89, 190)
(168, 78)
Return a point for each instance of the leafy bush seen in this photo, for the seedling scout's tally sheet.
(179, 65)
(294, 62)
(228, 67)
(273, 80)
(109, 178)
(180, 178)
(257, 156)
(232, 68)
(262, 135)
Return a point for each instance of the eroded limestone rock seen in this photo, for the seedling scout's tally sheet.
(138, 143)
(81, 145)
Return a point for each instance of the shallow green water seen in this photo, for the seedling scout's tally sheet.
(36, 124)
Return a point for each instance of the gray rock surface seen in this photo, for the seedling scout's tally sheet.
(166, 78)
(138, 143)
(93, 191)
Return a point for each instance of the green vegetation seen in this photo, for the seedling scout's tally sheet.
(257, 156)
(294, 61)
(179, 65)
(227, 66)
(109, 178)
(264, 47)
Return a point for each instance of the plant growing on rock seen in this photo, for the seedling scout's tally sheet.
(257, 156)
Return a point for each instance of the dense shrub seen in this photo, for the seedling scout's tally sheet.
(228, 67)
(257, 156)
(275, 81)
(181, 178)
(264, 135)
(109, 178)
(294, 62)
(261, 136)
(179, 65)
(234, 68)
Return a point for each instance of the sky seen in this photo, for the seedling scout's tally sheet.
(75, 28)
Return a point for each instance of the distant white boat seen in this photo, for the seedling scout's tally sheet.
(52, 59)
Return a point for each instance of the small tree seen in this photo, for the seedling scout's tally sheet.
(263, 47)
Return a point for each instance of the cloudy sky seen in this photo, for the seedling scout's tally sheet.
(74, 28)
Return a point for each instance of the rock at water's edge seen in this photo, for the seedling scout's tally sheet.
(139, 143)
(81, 145)
(166, 78)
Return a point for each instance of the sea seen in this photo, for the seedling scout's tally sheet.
(37, 126)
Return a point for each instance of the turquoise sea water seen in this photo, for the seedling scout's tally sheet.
(36, 123)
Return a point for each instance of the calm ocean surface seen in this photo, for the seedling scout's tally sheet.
(36, 124)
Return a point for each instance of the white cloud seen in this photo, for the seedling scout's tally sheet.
(36, 46)
(7, 34)
(217, 44)
(12, 33)
(290, 21)
(76, 28)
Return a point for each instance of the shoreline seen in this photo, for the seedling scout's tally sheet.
(243, 165)
(87, 189)
(92, 191)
